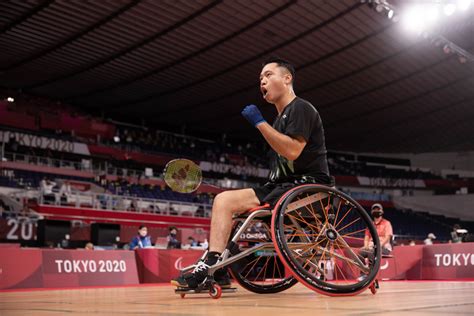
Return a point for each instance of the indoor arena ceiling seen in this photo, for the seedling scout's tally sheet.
(196, 63)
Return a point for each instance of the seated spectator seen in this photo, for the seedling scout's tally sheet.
(154, 209)
(65, 241)
(200, 211)
(89, 246)
(173, 242)
(64, 192)
(456, 237)
(141, 240)
(133, 207)
(384, 231)
(412, 243)
(46, 189)
(429, 240)
(192, 242)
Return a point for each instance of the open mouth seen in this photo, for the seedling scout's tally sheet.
(264, 91)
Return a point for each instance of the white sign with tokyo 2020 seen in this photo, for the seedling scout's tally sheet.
(90, 266)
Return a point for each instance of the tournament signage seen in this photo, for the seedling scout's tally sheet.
(391, 182)
(19, 228)
(234, 169)
(448, 261)
(56, 268)
(35, 141)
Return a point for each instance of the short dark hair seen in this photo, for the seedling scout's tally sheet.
(281, 63)
(172, 227)
(141, 226)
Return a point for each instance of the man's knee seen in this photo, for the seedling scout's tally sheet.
(236, 200)
(222, 198)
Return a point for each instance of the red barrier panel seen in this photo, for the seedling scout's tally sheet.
(21, 268)
(448, 261)
(44, 268)
(156, 265)
(405, 263)
(18, 120)
(435, 262)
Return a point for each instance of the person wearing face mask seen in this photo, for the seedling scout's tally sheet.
(173, 242)
(141, 240)
(384, 231)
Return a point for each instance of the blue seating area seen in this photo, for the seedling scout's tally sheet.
(7, 182)
(360, 168)
(156, 192)
(420, 224)
(32, 179)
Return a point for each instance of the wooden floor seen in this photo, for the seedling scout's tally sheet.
(393, 298)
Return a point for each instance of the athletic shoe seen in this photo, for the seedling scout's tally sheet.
(199, 274)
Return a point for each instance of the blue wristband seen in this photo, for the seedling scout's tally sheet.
(253, 115)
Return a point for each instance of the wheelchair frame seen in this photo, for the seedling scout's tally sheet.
(226, 258)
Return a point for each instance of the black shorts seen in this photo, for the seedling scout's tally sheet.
(271, 192)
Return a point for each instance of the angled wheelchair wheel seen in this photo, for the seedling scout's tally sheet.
(261, 271)
(318, 233)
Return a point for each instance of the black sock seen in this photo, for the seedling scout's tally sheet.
(212, 257)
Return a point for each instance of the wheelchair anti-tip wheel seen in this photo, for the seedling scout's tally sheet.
(318, 232)
(261, 271)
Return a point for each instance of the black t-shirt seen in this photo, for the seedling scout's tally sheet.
(300, 118)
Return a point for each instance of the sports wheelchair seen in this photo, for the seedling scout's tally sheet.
(312, 235)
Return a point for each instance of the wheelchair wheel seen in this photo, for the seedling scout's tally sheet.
(262, 271)
(318, 232)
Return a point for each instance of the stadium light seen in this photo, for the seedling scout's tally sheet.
(382, 7)
(10, 99)
(414, 19)
(449, 8)
(420, 18)
(432, 13)
(390, 14)
(463, 4)
(116, 139)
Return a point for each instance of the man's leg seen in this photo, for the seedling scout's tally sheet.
(226, 204)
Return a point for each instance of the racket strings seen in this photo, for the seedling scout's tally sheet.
(182, 175)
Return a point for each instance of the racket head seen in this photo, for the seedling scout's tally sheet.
(182, 175)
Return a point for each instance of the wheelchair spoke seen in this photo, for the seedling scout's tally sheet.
(340, 221)
(340, 272)
(311, 210)
(321, 230)
(307, 200)
(323, 210)
(264, 268)
(338, 209)
(350, 263)
(353, 233)
(356, 220)
(303, 221)
(356, 258)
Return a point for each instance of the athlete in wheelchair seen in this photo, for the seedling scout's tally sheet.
(297, 227)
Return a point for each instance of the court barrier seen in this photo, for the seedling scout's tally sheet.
(22, 268)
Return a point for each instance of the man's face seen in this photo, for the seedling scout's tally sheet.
(274, 82)
(143, 232)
